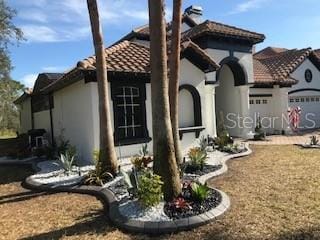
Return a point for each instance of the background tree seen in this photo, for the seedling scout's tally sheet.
(9, 89)
(107, 156)
(8, 34)
(174, 76)
(163, 147)
(9, 92)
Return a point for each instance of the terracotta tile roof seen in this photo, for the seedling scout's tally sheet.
(277, 68)
(207, 27)
(222, 30)
(123, 57)
(317, 53)
(130, 57)
(211, 65)
(269, 51)
(144, 30)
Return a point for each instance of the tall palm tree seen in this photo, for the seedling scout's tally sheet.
(107, 156)
(163, 147)
(174, 76)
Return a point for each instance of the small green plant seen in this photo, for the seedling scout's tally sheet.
(223, 140)
(199, 192)
(98, 176)
(198, 158)
(142, 160)
(150, 189)
(131, 180)
(67, 161)
(144, 150)
(259, 133)
(203, 144)
(314, 140)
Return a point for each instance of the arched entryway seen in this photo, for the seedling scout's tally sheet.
(232, 96)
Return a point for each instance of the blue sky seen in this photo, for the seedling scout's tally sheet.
(58, 32)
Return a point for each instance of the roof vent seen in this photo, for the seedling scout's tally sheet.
(195, 12)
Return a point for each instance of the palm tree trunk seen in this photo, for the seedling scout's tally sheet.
(163, 147)
(174, 76)
(107, 156)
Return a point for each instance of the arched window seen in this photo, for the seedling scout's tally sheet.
(186, 109)
(190, 118)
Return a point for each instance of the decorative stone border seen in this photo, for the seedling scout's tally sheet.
(168, 226)
(204, 178)
(111, 205)
(308, 146)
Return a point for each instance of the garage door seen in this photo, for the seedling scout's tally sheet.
(310, 110)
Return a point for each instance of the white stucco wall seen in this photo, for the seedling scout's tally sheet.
(42, 121)
(246, 60)
(25, 116)
(73, 117)
(273, 114)
(302, 84)
(308, 100)
(228, 101)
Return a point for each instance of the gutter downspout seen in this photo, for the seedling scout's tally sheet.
(51, 121)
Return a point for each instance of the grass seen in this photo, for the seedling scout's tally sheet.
(275, 194)
(7, 134)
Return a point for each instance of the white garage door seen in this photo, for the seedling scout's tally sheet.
(310, 110)
(262, 107)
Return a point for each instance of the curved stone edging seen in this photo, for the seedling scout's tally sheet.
(112, 205)
(204, 178)
(137, 226)
(308, 146)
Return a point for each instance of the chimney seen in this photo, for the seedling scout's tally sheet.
(195, 12)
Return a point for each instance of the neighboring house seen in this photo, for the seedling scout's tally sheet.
(286, 79)
(216, 75)
(35, 106)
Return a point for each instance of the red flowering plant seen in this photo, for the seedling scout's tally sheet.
(181, 204)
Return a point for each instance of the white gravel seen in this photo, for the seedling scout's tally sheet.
(52, 173)
(134, 210)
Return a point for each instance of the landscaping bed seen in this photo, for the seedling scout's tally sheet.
(135, 195)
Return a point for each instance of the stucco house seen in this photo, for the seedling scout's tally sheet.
(220, 74)
(286, 79)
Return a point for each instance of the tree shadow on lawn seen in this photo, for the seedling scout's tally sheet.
(13, 173)
(22, 196)
(91, 223)
(310, 233)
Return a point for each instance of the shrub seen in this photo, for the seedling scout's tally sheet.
(143, 159)
(197, 158)
(223, 140)
(199, 192)
(150, 189)
(141, 162)
(314, 140)
(98, 176)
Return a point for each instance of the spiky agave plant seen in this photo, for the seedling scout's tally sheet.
(314, 141)
(67, 161)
